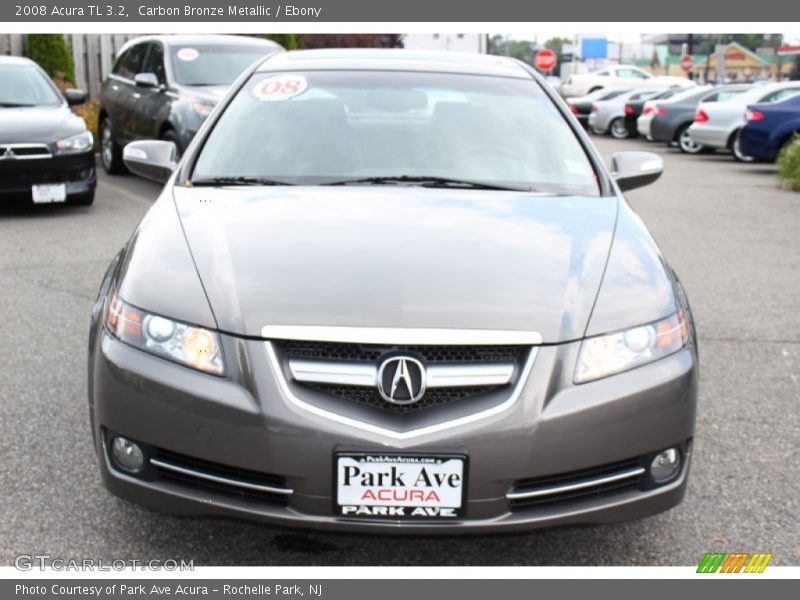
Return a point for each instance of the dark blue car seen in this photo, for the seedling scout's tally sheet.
(769, 128)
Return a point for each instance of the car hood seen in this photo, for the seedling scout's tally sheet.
(398, 257)
(39, 124)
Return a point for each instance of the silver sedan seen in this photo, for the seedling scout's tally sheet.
(608, 116)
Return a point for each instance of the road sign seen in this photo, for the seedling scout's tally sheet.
(545, 60)
(686, 62)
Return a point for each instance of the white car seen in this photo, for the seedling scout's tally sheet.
(717, 124)
(619, 76)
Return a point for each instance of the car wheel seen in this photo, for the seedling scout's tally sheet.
(686, 143)
(110, 151)
(82, 199)
(618, 129)
(736, 149)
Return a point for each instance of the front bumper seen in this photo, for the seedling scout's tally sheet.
(246, 422)
(77, 171)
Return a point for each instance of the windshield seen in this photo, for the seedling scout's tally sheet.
(212, 64)
(322, 127)
(23, 85)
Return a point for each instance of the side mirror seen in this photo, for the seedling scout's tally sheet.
(151, 159)
(146, 80)
(75, 97)
(633, 170)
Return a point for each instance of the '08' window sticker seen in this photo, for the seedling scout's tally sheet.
(280, 87)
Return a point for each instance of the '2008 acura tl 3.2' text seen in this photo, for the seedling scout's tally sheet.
(393, 291)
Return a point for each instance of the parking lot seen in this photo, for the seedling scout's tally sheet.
(729, 231)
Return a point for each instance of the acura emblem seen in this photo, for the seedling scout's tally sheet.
(401, 380)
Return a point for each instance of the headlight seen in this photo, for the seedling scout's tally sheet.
(202, 109)
(616, 352)
(75, 143)
(194, 347)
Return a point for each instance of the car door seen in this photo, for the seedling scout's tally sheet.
(150, 102)
(632, 77)
(128, 94)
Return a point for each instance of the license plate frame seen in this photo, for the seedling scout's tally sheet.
(443, 463)
(49, 193)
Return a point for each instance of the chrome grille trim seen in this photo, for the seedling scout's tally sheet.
(438, 376)
(401, 336)
(217, 479)
(570, 487)
(392, 433)
(7, 151)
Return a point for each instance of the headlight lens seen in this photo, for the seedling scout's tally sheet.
(194, 347)
(616, 352)
(81, 142)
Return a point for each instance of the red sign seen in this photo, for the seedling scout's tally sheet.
(686, 62)
(545, 60)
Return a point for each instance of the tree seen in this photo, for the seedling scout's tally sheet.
(556, 44)
(287, 40)
(358, 40)
(51, 52)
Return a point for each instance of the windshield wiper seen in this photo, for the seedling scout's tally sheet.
(240, 180)
(431, 181)
(14, 105)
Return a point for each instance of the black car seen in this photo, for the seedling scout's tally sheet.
(672, 120)
(46, 150)
(165, 86)
(581, 107)
(633, 109)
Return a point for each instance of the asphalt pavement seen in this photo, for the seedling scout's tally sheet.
(729, 231)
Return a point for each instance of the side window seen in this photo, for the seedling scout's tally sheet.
(781, 95)
(631, 73)
(132, 60)
(119, 65)
(711, 97)
(602, 73)
(154, 63)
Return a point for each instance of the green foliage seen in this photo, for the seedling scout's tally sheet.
(789, 164)
(50, 50)
(556, 44)
(287, 40)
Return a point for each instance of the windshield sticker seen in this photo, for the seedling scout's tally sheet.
(188, 54)
(280, 87)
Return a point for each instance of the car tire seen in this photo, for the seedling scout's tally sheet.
(110, 150)
(685, 142)
(736, 149)
(82, 199)
(618, 130)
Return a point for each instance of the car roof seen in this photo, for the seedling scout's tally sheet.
(395, 60)
(16, 60)
(201, 40)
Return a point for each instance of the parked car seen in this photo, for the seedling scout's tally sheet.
(466, 329)
(670, 120)
(634, 108)
(165, 86)
(769, 128)
(555, 83)
(717, 124)
(619, 76)
(581, 106)
(608, 116)
(46, 151)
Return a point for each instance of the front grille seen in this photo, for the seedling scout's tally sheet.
(24, 151)
(242, 483)
(370, 396)
(372, 352)
(574, 486)
(339, 353)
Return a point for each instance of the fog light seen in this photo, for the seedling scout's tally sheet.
(127, 454)
(665, 465)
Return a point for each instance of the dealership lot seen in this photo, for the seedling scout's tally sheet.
(727, 229)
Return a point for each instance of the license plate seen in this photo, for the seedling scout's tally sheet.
(47, 193)
(400, 486)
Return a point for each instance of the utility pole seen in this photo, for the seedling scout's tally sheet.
(690, 51)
